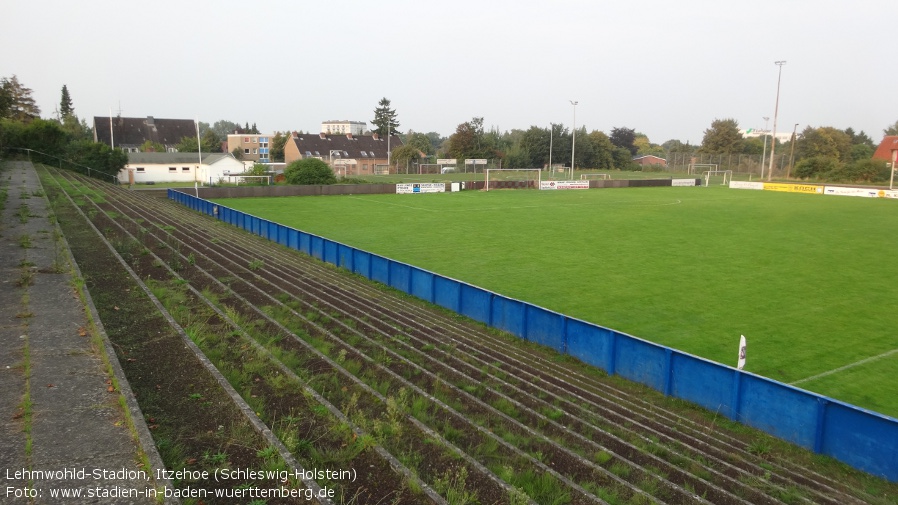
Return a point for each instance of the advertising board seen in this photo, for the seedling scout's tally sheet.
(564, 185)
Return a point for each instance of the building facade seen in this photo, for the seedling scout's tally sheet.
(254, 147)
(129, 133)
(344, 127)
(348, 155)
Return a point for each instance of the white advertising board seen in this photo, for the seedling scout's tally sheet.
(446, 161)
(841, 191)
(564, 185)
(682, 182)
(420, 187)
(889, 193)
(746, 185)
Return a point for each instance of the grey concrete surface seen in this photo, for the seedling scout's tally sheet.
(47, 357)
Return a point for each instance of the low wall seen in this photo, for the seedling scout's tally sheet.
(863, 439)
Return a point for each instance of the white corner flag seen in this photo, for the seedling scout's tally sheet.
(741, 364)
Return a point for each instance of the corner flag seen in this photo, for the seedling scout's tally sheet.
(741, 364)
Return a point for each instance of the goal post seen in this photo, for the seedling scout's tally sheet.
(726, 176)
(512, 178)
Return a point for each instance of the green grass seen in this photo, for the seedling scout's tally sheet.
(808, 279)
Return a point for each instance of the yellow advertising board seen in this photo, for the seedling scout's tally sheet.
(794, 188)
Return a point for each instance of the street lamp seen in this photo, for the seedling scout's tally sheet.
(792, 154)
(574, 137)
(764, 156)
(776, 110)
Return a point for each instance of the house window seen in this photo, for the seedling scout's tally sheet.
(364, 154)
(255, 151)
(139, 169)
(246, 150)
(308, 153)
(263, 144)
(172, 169)
(246, 140)
(185, 169)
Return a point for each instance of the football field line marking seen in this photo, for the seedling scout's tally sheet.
(394, 204)
(842, 368)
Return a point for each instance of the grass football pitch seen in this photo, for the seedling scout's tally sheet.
(810, 280)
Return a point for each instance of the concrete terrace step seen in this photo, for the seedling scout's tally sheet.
(58, 411)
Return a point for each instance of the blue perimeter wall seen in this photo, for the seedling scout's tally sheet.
(861, 438)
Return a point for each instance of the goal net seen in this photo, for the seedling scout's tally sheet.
(594, 177)
(722, 177)
(512, 178)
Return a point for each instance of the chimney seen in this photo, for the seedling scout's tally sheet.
(150, 120)
(323, 136)
(349, 136)
(374, 136)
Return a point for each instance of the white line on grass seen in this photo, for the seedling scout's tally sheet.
(841, 368)
(391, 203)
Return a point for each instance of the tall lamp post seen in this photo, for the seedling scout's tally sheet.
(764, 156)
(551, 137)
(574, 137)
(776, 110)
(792, 153)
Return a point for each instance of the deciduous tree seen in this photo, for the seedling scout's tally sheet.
(624, 137)
(722, 138)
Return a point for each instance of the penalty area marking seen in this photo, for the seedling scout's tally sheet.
(846, 367)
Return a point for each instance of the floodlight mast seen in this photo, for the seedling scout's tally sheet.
(573, 137)
(775, 113)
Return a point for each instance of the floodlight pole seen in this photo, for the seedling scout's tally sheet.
(776, 110)
(551, 135)
(764, 156)
(574, 137)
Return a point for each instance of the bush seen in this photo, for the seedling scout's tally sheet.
(868, 170)
(815, 167)
(309, 171)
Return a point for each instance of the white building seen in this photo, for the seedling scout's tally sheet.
(343, 127)
(179, 167)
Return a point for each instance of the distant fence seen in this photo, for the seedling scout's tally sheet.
(863, 439)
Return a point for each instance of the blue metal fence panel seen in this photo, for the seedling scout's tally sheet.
(422, 284)
(590, 343)
(641, 361)
(400, 276)
(380, 269)
(447, 293)
(345, 256)
(863, 439)
(293, 238)
(703, 382)
(305, 243)
(508, 315)
(475, 303)
(545, 327)
(330, 251)
(361, 262)
(316, 247)
(784, 411)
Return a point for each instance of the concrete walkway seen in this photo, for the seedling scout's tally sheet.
(75, 427)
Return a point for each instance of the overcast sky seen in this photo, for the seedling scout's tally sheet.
(666, 69)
